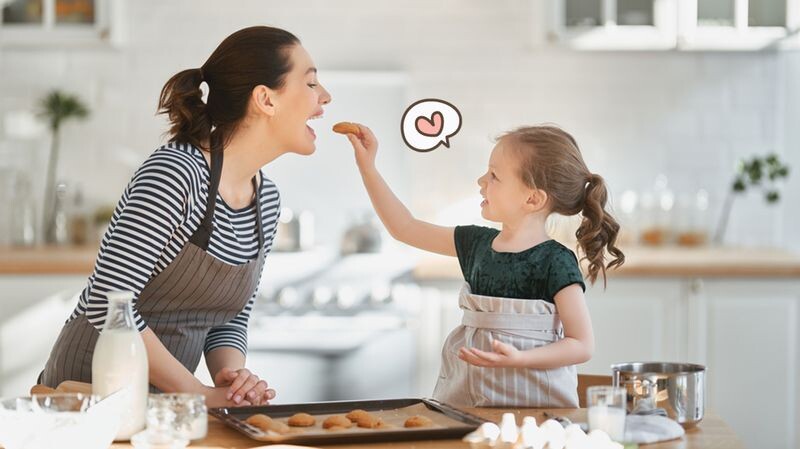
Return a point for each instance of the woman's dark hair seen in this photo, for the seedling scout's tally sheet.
(248, 58)
(551, 161)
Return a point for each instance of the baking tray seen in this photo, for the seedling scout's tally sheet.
(448, 422)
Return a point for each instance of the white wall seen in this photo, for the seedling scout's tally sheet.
(687, 115)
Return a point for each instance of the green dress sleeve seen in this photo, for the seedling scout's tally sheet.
(467, 240)
(564, 271)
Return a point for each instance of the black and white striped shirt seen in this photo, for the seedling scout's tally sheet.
(160, 209)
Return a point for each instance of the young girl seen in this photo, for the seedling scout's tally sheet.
(525, 323)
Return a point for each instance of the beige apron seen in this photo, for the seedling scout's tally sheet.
(522, 323)
(181, 304)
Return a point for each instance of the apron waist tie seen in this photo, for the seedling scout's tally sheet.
(539, 326)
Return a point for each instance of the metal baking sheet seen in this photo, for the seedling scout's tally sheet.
(447, 421)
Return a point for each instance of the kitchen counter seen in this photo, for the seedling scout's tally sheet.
(705, 262)
(712, 432)
(640, 262)
(48, 260)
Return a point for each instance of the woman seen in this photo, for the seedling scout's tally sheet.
(190, 233)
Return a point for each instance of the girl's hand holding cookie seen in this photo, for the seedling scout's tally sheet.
(364, 143)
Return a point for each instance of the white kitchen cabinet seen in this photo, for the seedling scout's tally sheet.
(672, 24)
(742, 330)
(750, 347)
(32, 311)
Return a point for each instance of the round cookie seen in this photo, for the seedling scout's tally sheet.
(302, 420)
(346, 128)
(261, 421)
(418, 421)
(337, 421)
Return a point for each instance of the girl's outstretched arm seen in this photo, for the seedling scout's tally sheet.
(393, 213)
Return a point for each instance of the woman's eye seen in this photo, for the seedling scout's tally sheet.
(493, 176)
(312, 85)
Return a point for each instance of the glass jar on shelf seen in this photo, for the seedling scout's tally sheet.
(693, 219)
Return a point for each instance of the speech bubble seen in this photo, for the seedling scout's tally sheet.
(428, 123)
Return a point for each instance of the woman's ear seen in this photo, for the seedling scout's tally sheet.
(537, 200)
(263, 100)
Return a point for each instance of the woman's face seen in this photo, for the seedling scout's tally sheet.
(299, 100)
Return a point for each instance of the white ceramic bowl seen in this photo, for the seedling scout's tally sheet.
(68, 421)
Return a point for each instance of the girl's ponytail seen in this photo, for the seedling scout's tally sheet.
(598, 230)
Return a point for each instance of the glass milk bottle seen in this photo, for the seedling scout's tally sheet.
(120, 362)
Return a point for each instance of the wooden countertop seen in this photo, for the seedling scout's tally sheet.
(712, 432)
(640, 262)
(665, 262)
(47, 260)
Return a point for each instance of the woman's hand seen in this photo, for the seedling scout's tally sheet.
(366, 147)
(502, 355)
(244, 386)
(216, 397)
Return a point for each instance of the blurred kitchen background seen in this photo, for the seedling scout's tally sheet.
(673, 101)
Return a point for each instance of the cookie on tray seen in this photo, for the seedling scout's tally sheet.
(302, 420)
(260, 421)
(337, 421)
(418, 421)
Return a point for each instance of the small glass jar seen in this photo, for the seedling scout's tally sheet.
(191, 414)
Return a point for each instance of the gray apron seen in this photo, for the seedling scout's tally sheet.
(522, 323)
(181, 304)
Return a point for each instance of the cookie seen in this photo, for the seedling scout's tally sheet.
(363, 419)
(302, 420)
(418, 421)
(261, 421)
(346, 128)
(265, 424)
(357, 414)
(337, 421)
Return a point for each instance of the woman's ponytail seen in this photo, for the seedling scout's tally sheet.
(182, 101)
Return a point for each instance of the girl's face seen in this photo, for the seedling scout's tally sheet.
(506, 198)
(299, 100)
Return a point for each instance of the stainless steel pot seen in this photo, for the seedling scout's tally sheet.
(679, 388)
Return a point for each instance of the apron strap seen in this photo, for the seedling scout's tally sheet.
(202, 235)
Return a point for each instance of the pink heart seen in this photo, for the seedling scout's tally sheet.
(430, 127)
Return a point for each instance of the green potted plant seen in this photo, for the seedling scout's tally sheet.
(762, 173)
(56, 107)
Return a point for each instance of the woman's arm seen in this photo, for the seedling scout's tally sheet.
(398, 220)
(576, 347)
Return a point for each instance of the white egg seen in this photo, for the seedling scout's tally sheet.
(600, 438)
(533, 437)
(489, 431)
(508, 428)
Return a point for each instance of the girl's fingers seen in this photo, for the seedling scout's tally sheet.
(471, 358)
(487, 356)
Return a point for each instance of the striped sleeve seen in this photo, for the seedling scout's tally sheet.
(155, 203)
(233, 333)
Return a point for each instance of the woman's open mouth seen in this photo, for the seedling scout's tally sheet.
(317, 115)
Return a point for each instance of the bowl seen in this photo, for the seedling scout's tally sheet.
(69, 421)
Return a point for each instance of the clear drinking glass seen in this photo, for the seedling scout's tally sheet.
(607, 410)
